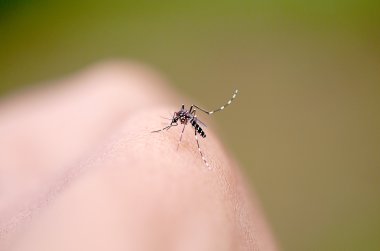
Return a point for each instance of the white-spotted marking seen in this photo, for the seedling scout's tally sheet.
(200, 151)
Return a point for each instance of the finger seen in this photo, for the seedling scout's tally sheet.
(45, 131)
(139, 193)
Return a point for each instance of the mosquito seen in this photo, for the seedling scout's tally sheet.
(184, 117)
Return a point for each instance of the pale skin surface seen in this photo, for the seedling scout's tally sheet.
(80, 170)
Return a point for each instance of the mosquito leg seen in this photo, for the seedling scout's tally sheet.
(180, 138)
(200, 151)
(165, 128)
(220, 108)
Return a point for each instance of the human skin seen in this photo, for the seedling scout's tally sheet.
(80, 170)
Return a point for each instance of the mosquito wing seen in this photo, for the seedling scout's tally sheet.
(200, 122)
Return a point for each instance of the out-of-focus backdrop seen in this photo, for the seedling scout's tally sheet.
(306, 125)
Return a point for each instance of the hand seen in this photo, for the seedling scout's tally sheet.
(81, 170)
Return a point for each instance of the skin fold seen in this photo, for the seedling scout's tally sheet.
(80, 170)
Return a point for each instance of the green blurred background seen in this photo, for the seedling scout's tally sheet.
(306, 125)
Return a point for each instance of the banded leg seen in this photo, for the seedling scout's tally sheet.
(200, 151)
(180, 138)
(221, 108)
(165, 128)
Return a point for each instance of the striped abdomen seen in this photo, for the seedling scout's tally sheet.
(198, 128)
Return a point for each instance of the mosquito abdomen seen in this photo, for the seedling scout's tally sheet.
(198, 128)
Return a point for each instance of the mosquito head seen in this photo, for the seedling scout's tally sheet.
(175, 118)
(182, 116)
